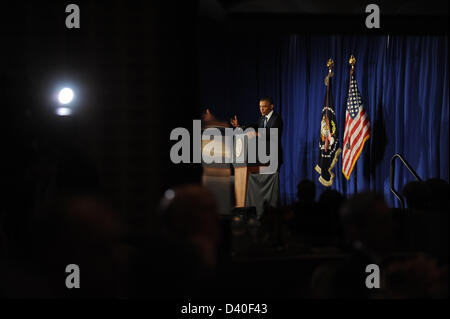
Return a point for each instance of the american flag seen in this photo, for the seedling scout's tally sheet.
(357, 128)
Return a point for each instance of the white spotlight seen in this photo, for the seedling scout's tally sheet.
(169, 194)
(65, 96)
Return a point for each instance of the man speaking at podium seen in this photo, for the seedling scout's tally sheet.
(264, 189)
(269, 119)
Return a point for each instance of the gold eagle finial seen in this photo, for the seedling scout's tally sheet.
(330, 64)
(352, 62)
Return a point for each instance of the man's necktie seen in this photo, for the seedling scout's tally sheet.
(265, 121)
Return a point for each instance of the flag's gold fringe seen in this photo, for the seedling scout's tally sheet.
(333, 163)
(356, 158)
(318, 169)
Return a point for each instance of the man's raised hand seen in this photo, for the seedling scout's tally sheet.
(208, 117)
(234, 121)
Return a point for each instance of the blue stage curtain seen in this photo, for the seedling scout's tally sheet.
(403, 82)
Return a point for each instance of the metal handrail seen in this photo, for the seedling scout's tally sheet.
(392, 172)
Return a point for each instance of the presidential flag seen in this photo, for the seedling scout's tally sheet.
(357, 127)
(329, 149)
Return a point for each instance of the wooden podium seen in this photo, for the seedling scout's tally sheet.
(240, 182)
(216, 177)
(242, 168)
(235, 156)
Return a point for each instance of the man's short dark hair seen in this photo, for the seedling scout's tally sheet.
(266, 98)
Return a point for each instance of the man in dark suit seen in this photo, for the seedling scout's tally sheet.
(269, 119)
(263, 189)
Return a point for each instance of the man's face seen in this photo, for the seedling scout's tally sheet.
(265, 107)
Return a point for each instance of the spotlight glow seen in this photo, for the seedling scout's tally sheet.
(63, 111)
(65, 96)
(169, 194)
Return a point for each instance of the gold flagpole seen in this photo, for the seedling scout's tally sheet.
(330, 64)
(352, 62)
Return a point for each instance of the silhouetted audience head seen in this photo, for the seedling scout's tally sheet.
(271, 229)
(85, 231)
(330, 201)
(367, 221)
(306, 191)
(417, 195)
(418, 277)
(439, 199)
(190, 213)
